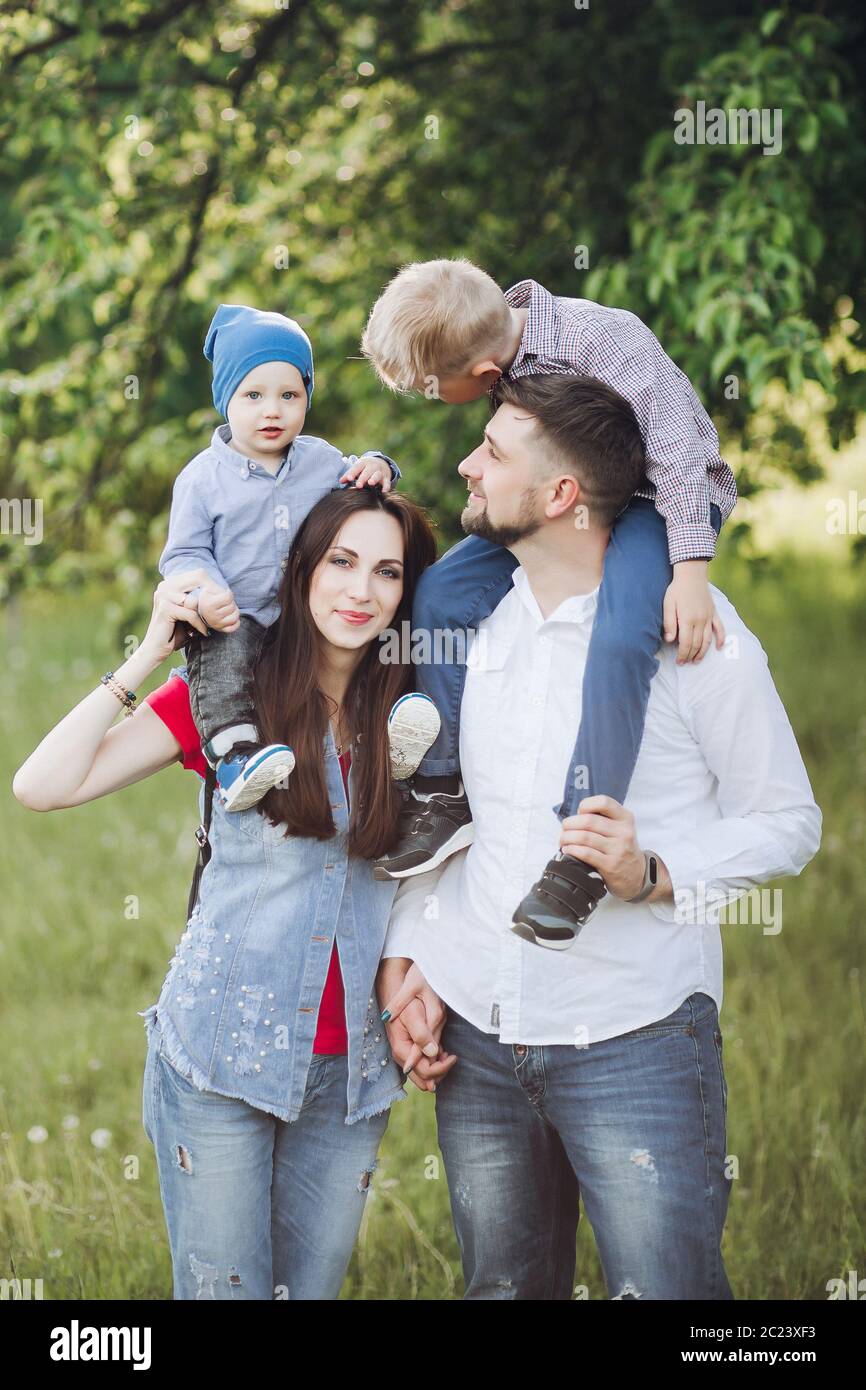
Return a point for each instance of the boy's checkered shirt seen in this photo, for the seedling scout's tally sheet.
(684, 471)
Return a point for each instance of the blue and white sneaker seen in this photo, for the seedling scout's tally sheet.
(413, 727)
(244, 778)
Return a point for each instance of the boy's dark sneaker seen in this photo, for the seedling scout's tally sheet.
(559, 904)
(430, 831)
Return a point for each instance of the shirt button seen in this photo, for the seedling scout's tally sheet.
(537, 700)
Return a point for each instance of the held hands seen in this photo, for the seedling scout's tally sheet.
(417, 1019)
(172, 617)
(174, 612)
(368, 469)
(690, 612)
(602, 834)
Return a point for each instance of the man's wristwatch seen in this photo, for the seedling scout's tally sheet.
(650, 878)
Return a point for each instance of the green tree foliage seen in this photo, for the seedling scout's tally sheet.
(162, 158)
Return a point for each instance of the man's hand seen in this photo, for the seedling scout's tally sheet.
(602, 834)
(368, 469)
(218, 608)
(690, 612)
(417, 1017)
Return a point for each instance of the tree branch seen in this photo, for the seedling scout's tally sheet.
(266, 36)
(442, 55)
(148, 24)
(268, 33)
(61, 33)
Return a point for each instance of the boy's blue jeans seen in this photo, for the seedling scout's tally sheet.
(474, 576)
(634, 1125)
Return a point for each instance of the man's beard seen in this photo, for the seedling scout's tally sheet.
(527, 524)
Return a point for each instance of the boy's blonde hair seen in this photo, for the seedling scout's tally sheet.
(435, 319)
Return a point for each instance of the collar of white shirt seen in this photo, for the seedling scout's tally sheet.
(577, 608)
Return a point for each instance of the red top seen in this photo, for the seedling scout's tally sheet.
(171, 703)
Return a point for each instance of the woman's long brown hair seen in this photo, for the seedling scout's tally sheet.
(292, 709)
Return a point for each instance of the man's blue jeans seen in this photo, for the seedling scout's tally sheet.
(473, 577)
(635, 1125)
(257, 1208)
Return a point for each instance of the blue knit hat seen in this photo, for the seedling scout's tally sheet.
(240, 338)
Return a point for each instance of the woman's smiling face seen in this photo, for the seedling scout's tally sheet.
(356, 588)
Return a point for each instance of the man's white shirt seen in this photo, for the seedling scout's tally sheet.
(719, 792)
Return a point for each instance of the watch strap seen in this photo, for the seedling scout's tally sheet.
(650, 877)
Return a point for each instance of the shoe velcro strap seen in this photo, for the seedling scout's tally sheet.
(576, 872)
(547, 895)
(412, 820)
(565, 880)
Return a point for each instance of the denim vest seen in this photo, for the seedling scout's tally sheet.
(238, 1007)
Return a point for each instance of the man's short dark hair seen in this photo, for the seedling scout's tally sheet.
(592, 432)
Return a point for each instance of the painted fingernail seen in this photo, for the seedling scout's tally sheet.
(385, 1015)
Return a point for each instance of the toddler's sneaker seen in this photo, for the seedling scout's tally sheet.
(244, 776)
(432, 826)
(413, 727)
(560, 903)
(430, 830)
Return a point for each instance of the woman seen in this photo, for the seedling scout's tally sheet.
(269, 1079)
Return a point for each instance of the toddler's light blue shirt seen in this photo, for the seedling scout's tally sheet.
(236, 521)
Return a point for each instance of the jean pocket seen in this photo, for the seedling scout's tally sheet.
(166, 1070)
(680, 1021)
(326, 1071)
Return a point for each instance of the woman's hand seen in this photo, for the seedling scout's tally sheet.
(83, 757)
(173, 614)
(416, 1017)
(407, 1035)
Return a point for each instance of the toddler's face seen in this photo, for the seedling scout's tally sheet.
(267, 410)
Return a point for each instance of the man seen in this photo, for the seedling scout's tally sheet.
(595, 1071)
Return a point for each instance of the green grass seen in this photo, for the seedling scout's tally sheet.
(93, 903)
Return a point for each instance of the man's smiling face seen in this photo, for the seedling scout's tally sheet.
(502, 476)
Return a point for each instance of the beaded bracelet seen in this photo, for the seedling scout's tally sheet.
(126, 697)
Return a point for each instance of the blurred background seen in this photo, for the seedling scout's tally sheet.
(157, 159)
